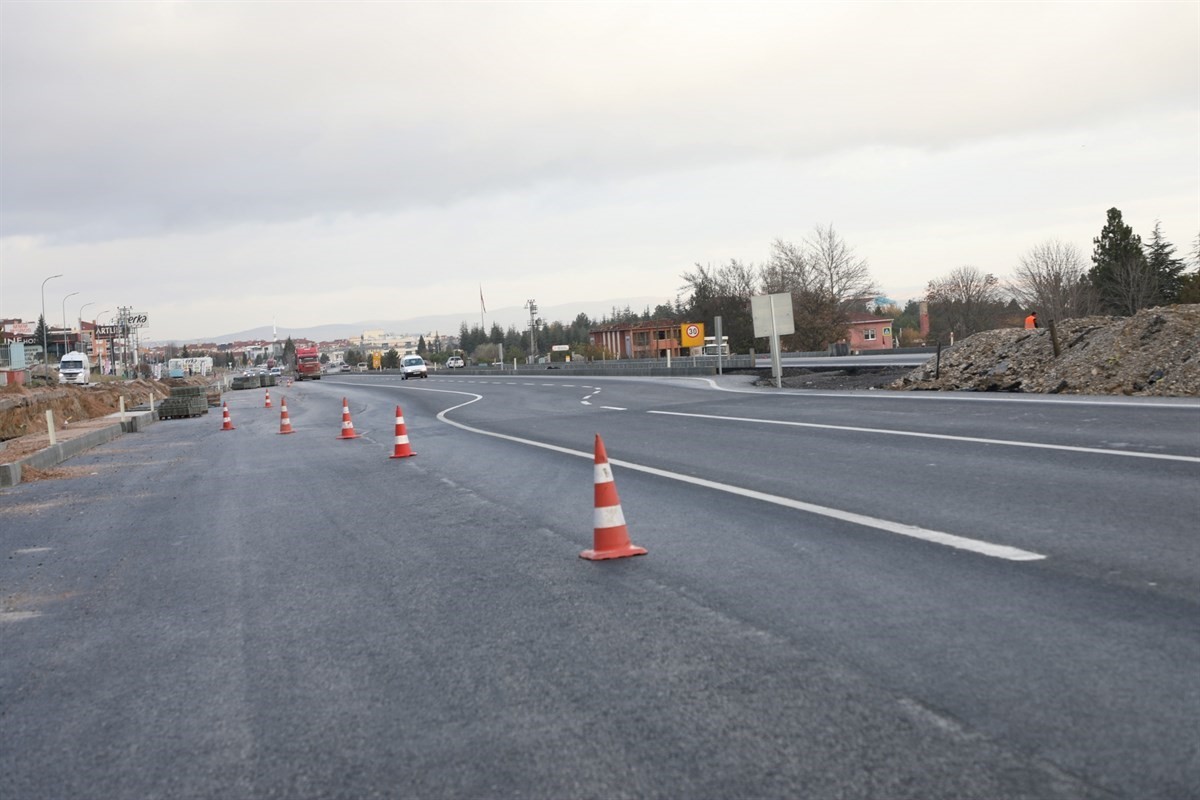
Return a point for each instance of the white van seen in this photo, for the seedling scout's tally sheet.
(413, 367)
(75, 368)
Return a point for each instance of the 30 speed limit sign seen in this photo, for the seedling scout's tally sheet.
(693, 331)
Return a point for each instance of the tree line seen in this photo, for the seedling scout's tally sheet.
(1123, 276)
(830, 284)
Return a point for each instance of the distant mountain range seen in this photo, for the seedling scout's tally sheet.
(445, 324)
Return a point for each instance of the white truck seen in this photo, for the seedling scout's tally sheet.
(75, 368)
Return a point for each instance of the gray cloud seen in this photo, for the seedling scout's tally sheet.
(412, 142)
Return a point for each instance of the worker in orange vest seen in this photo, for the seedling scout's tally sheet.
(1031, 321)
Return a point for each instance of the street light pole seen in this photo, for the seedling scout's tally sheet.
(72, 294)
(107, 350)
(81, 308)
(45, 344)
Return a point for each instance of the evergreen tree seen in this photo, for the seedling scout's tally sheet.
(1166, 268)
(41, 334)
(1120, 275)
(422, 350)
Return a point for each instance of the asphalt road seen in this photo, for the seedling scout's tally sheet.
(846, 595)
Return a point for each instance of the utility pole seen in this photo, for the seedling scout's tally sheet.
(532, 306)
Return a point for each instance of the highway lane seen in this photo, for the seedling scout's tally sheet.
(1066, 478)
(308, 618)
(1115, 509)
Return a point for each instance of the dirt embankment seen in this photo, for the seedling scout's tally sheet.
(23, 409)
(1154, 352)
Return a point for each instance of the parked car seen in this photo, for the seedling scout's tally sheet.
(413, 367)
(362, 367)
(344, 368)
(455, 362)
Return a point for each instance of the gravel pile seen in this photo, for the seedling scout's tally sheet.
(1155, 352)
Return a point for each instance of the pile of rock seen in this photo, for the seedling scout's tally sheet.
(1155, 352)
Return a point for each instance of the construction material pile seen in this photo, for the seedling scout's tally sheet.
(185, 401)
(1154, 352)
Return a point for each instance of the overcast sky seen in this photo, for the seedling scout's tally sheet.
(219, 165)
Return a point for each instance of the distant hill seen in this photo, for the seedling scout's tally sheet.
(446, 324)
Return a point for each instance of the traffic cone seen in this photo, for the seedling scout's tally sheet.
(268, 405)
(402, 450)
(611, 537)
(285, 422)
(226, 423)
(347, 423)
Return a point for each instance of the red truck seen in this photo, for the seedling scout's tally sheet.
(308, 363)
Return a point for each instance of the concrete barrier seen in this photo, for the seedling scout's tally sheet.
(10, 473)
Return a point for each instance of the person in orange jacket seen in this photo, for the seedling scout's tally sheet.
(1031, 321)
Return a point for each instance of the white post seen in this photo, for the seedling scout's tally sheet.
(720, 346)
(776, 364)
(668, 359)
(50, 427)
(152, 403)
(122, 408)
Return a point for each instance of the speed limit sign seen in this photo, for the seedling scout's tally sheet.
(693, 331)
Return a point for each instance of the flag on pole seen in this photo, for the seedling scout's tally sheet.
(482, 306)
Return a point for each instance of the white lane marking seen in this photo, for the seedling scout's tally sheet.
(614, 408)
(17, 616)
(24, 551)
(944, 436)
(585, 402)
(912, 531)
(974, 397)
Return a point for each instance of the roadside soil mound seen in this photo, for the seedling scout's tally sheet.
(23, 408)
(1154, 352)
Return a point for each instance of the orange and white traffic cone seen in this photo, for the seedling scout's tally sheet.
(347, 423)
(610, 537)
(402, 449)
(226, 422)
(268, 405)
(285, 422)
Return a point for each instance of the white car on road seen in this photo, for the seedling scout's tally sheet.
(413, 367)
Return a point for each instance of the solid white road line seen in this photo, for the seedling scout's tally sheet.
(912, 531)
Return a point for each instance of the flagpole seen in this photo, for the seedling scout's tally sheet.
(482, 309)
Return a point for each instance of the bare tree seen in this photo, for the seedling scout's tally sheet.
(1132, 286)
(827, 281)
(1052, 279)
(839, 271)
(964, 302)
